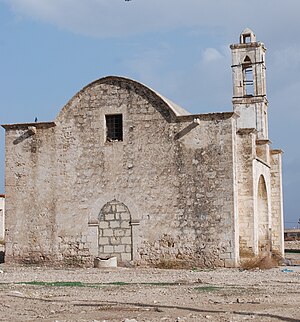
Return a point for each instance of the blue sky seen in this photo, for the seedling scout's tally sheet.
(50, 49)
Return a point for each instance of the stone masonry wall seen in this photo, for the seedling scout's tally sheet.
(174, 176)
(115, 232)
(30, 190)
(245, 156)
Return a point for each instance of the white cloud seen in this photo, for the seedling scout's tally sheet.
(286, 58)
(211, 55)
(106, 18)
(103, 18)
(148, 61)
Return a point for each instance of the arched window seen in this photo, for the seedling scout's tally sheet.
(248, 77)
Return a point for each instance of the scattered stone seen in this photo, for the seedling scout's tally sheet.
(157, 309)
(16, 293)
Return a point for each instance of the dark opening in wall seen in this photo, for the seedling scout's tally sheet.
(2, 255)
(246, 39)
(114, 127)
(248, 78)
(248, 81)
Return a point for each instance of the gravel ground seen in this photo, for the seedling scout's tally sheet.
(139, 294)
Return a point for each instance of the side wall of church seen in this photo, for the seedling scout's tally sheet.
(176, 179)
(259, 198)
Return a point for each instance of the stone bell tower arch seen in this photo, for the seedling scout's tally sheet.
(249, 84)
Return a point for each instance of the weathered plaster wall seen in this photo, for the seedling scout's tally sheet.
(277, 202)
(174, 176)
(30, 189)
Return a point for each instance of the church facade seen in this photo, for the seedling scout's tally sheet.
(123, 171)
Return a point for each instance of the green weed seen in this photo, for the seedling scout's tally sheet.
(81, 284)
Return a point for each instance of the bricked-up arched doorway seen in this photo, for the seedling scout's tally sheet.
(115, 231)
(264, 244)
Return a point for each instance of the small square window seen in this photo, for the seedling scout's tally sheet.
(114, 127)
(247, 39)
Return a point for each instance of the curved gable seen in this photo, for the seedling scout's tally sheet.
(166, 107)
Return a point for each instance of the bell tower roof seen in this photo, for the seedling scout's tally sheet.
(247, 36)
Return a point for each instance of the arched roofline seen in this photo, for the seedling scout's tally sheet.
(173, 109)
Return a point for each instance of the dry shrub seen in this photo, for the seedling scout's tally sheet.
(173, 264)
(276, 255)
(246, 253)
(262, 262)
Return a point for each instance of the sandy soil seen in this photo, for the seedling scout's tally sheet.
(136, 294)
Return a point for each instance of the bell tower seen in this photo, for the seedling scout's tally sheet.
(249, 84)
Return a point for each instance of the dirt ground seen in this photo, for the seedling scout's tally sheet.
(138, 294)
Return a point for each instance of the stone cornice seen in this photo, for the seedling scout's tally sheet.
(246, 131)
(25, 126)
(263, 141)
(276, 151)
(207, 117)
(248, 45)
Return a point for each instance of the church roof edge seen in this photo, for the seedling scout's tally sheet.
(39, 125)
(176, 109)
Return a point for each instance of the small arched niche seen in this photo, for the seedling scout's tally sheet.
(263, 217)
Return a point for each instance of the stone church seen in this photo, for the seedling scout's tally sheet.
(122, 171)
